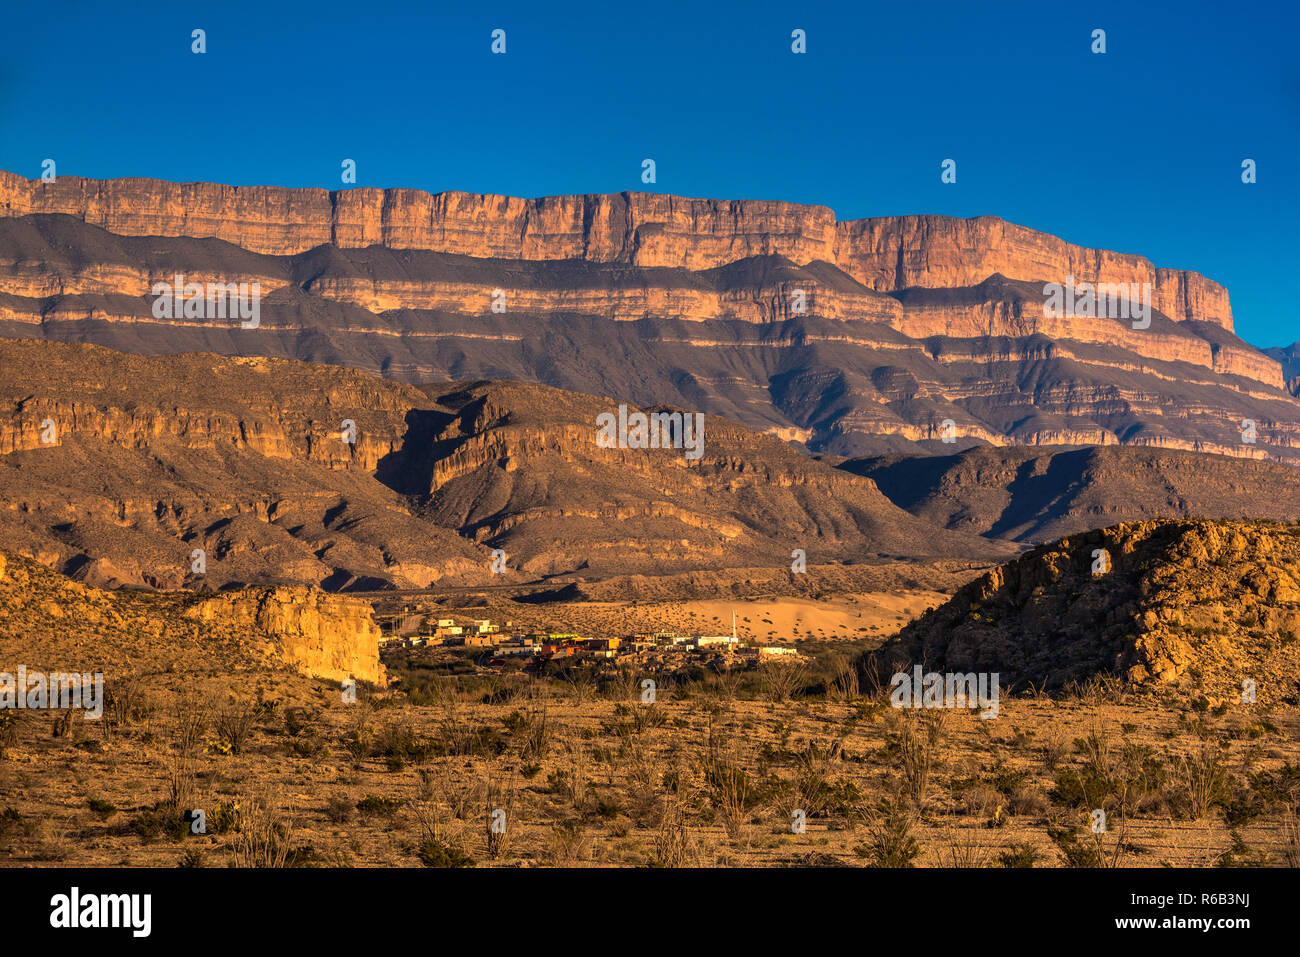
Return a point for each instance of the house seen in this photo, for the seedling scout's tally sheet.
(704, 641)
(510, 651)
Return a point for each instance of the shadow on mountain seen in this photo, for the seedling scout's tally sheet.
(566, 593)
(409, 470)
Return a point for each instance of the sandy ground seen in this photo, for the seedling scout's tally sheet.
(785, 619)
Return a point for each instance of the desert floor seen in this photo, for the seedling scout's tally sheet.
(711, 774)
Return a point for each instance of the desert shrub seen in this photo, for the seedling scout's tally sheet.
(498, 824)
(224, 818)
(357, 742)
(1201, 780)
(1018, 855)
(434, 853)
(9, 722)
(372, 805)
(125, 703)
(890, 842)
(461, 739)
(1077, 853)
(1054, 749)
(298, 719)
(731, 791)
(1281, 786)
(673, 844)
(1240, 854)
(1290, 838)
(308, 747)
(460, 796)
(1121, 778)
(1026, 802)
(781, 679)
(191, 725)
(567, 842)
(10, 820)
(398, 743)
(531, 730)
(961, 848)
(152, 825)
(181, 777)
(338, 809)
(913, 742)
(104, 809)
(233, 725)
(260, 837)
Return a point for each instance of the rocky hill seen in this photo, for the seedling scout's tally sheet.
(1037, 495)
(151, 459)
(1183, 607)
(1289, 356)
(853, 338)
(51, 623)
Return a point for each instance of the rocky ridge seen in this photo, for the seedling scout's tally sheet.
(1195, 608)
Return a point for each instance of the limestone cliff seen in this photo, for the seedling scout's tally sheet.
(327, 636)
(641, 229)
(49, 622)
(854, 338)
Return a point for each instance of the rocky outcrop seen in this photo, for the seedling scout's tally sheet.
(50, 622)
(327, 636)
(641, 229)
(1180, 607)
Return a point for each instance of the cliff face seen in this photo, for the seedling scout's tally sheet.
(327, 636)
(853, 338)
(896, 252)
(641, 229)
(48, 621)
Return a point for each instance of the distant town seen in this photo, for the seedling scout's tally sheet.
(502, 645)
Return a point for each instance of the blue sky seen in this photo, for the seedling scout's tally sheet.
(1137, 150)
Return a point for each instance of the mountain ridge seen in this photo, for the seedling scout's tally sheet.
(645, 229)
(849, 355)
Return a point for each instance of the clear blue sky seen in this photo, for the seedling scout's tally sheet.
(1138, 150)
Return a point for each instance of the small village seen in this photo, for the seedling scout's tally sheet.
(501, 645)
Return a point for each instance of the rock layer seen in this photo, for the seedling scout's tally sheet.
(641, 229)
(863, 338)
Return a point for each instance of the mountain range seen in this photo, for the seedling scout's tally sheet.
(416, 400)
(855, 338)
